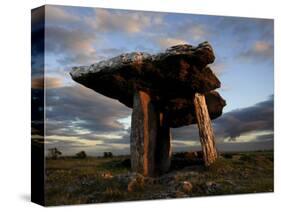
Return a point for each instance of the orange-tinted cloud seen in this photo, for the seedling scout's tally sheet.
(50, 82)
(168, 42)
(260, 50)
(129, 22)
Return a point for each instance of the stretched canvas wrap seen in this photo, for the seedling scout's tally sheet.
(137, 105)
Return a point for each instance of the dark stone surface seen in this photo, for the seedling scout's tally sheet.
(180, 111)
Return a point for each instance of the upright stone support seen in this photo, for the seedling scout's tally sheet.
(150, 138)
(144, 128)
(206, 133)
(163, 148)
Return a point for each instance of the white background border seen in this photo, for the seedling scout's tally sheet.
(15, 104)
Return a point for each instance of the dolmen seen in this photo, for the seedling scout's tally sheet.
(170, 89)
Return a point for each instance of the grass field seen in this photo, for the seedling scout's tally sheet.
(96, 180)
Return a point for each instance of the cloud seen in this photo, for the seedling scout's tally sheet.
(79, 59)
(253, 123)
(92, 57)
(70, 46)
(60, 15)
(250, 119)
(72, 38)
(37, 41)
(249, 146)
(80, 114)
(218, 68)
(244, 28)
(262, 47)
(192, 30)
(80, 108)
(197, 32)
(187, 133)
(123, 21)
(71, 144)
(251, 38)
(260, 50)
(50, 82)
(168, 42)
(75, 44)
(64, 40)
(228, 35)
(78, 118)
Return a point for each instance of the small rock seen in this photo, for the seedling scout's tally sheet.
(186, 186)
(212, 187)
(107, 175)
(179, 194)
(136, 184)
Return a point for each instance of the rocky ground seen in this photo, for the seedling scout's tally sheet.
(96, 180)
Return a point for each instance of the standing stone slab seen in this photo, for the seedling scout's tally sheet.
(150, 137)
(206, 133)
(163, 148)
(144, 127)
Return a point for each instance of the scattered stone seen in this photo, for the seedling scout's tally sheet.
(180, 194)
(107, 175)
(136, 184)
(184, 187)
(212, 187)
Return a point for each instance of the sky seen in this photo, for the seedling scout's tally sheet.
(78, 118)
